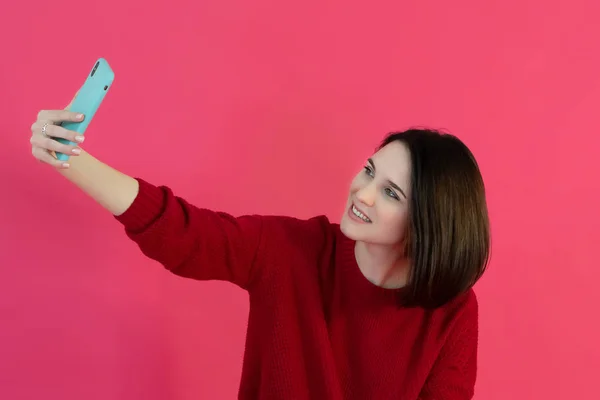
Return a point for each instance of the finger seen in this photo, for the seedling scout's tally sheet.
(45, 157)
(57, 116)
(36, 127)
(60, 132)
(49, 144)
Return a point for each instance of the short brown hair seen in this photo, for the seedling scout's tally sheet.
(448, 238)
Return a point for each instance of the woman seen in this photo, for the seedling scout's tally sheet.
(379, 307)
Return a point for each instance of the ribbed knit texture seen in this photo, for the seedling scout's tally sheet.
(317, 328)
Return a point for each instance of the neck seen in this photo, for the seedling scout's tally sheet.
(384, 266)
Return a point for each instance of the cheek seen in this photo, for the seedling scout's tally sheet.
(394, 221)
(356, 183)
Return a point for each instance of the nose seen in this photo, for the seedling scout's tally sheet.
(366, 194)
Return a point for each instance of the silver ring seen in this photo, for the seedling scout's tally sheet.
(44, 129)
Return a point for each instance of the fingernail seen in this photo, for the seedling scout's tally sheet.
(66, 165)
(79, 138)
(79, 116)
(76, 151)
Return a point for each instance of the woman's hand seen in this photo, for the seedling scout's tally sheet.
(47, 126)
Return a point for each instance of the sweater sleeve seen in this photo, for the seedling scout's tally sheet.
(454, 373)
(192, 242)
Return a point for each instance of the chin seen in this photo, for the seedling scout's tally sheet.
(346, 229)
(358, 233)
(351, 230)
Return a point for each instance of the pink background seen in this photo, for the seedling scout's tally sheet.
(270, 107)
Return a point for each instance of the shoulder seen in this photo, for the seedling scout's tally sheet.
(465, 303)
(294, 250)
(319, 225)
(461, 316)
(285, 228)
(458, 315)
(454, 370)
(286, 233)
(464, 307)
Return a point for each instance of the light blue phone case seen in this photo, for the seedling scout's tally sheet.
(88, 100)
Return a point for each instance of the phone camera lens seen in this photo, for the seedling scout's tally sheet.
(95, 68)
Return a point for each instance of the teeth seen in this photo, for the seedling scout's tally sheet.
(360, 215)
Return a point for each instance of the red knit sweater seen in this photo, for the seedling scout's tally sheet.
(317, 328)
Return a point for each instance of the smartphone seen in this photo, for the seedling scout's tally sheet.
(88, 100)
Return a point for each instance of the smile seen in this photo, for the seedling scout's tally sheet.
(359, 214)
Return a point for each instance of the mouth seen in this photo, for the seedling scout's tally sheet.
(357, 213)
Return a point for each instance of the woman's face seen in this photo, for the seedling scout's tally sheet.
(377, 209)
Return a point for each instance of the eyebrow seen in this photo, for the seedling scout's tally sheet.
(392, 184)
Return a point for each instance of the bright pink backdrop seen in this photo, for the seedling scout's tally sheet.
(271, 106)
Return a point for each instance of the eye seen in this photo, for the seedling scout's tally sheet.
(369, 170)
(391, 193)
